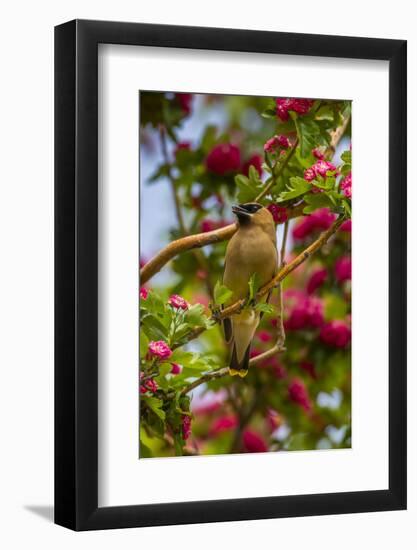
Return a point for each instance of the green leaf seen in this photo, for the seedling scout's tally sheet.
(221, 294)
(153, 328)
(346, 156)
(155, 405)
(263, 307)
(269, 113)
(319, 200)
(208, 139)
(254, 284)
(249, 189)
(298, 187)
(325, 112)
(143, 343)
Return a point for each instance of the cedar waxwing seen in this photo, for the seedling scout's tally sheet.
(252, 249)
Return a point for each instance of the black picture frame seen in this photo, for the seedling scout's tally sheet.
(76, 271)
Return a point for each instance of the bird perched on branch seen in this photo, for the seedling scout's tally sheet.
(251, 250)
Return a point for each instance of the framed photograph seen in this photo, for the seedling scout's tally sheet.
(230, 337)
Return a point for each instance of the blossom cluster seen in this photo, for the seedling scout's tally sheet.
(299, 106)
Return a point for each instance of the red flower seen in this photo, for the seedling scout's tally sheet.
(210, 225)
(346, 226)
(264, 336)
(321, 219)
(159, 349)
(185, 101)
(149, 385)
(300, 106)
(175, 368)
(178, 302)
(256, 162)
(318, 153)
(186, 426)
(273, 419)
(309, 367)
(223, 424)
(346, 186)
(336, 334)
(298, 394)
(275, 143)
(182, 146)
(279, 213)
(343, 269)
(223, 159)
(143, 293)
(320, 168)
(253, 442)
(304, 311)
(316, 280)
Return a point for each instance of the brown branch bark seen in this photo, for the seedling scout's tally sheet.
(287, 269)
(280, 276)
(223, 234)
(198, 240)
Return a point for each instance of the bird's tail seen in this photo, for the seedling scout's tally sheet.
(236, 368)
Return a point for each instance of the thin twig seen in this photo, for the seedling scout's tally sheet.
(198, 254)
(280, 276)
(198, 240)
(178, 211)
(219, 235)
(219, 373)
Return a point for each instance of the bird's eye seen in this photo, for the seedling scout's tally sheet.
(252, 207)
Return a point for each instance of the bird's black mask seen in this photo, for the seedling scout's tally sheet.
(244, 212)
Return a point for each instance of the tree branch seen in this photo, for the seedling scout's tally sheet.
(223, 234)
(198, 240)
(280, 276)
(287, 269)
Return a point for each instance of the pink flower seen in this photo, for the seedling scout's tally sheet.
(175, 368)
(321, 219)
(279, 213)
(186, 426)
(210, 225)
(185, 101)
(276, 142)
(320, 168)
(256, 162)
(336, 334)
(182, 146)
(298, 394)
(149, 385)
(343, 269)
(223, 159)
(304, 311)
(318, 153)
(253, 442)
(178, 302)
(223, 424)
(159, 349)
(346, 226)
(346, 186)
(300, 106)
(316, 280)
(279, 371)
(273, 419)
(264, 336)
(309, 367)
(143, 293)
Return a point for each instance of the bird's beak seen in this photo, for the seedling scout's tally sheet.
(241, 213)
